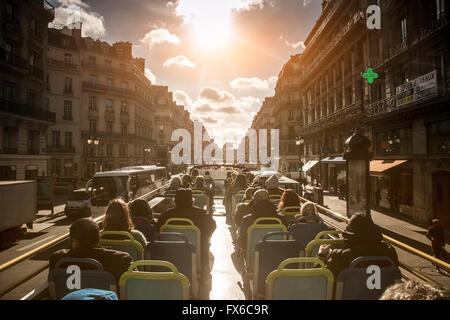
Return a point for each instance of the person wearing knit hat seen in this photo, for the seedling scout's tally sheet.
(361, 238)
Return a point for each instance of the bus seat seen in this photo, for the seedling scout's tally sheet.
(300, 284)
(269, 253)
(176, 249)
(92, 276)
(91, 294)
(167, 285)
(351, 284)
(290, 213)
(145, 226)
(111, 240)
(306, 232)
(189, 230)
(256, 232)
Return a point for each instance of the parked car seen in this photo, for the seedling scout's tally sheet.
(79, 204)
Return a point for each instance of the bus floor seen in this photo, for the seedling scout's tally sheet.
(224, 274)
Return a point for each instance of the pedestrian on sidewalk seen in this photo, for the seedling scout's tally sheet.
(436, 235)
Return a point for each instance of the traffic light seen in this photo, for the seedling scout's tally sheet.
(300, 169)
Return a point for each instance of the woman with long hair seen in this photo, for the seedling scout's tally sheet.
(117, 218)
(289, 199)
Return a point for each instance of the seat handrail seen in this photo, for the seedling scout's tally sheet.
(189, 221)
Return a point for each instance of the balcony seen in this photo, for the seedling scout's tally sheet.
(93, 113)
(60, 149)
(106, 69)
(32, 151)
(13, 60)
(109, 115)
(335, 118)
(7, 150)
(111, 89)
(63, 65)
(380, 107)
(24, 110)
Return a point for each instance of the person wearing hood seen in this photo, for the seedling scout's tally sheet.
(262, 208)
(273, 186)
(362, 238)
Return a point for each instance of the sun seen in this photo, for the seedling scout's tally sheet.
(212, 37)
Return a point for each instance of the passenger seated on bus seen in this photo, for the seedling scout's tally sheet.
(272, 186)
(117, 218)
(244, 208)
(194, 174)
(262, 208)
(308, 209)
(184, 209)
(140, 208)
(289, 199)
(209, 182)
(200, 186)
(187, 182)
(84, 239)
(414, 290)
(250, 177)
(362, 238)
(175, 184)
(239, 184)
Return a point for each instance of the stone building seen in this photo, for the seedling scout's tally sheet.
(411, 120)
(24, 110)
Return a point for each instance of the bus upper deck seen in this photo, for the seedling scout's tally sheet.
(303, 259)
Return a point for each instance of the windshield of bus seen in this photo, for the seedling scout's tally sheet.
(105, 189)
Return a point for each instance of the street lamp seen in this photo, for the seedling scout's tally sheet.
(92, 142)
(358, 174)
(299, 141)
(147, 151)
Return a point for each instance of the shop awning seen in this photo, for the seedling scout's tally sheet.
(308, 166)
(380, 166)
(334, 160)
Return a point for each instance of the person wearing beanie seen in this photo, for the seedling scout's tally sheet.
(362, 238)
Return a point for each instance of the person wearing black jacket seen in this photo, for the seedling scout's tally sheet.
(84, 239)
(436, 235)
(184, 209)
(362, 238)
(262, 208)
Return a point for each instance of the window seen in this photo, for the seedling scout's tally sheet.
(10, 140)
(93, 126)
(93, 103)
(440, 9)
(55, 139)
(291, 115)
(9, 91)
(108, 104)
(109, 83)
(68, 110)
(93, 79)
(68, 139)
(10, 10)
(124, 107)
(123, 148)
(438, 134)
(124, 129)
(101, 150)
(109, 127)
(404, 30)
(68, 85)
(33, 61)
(7, 173)
(33, 25)
(124, 85)
(109, 150)
(31, 98)
(9, 48)
(68, 58)
(92, 61)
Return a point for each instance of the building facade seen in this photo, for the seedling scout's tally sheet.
(24, 111)
(410, 124)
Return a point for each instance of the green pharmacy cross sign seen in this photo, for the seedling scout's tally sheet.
(370, 75)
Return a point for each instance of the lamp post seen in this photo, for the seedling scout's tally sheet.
(92, 143)
(299, 141)
(358, 174)
(147, 153)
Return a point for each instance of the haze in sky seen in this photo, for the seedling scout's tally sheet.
(221, 58)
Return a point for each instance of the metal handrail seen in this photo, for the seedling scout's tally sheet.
(388, 239)
(46, 246)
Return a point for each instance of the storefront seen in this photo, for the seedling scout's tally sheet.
(336, 169)
(392, 186)
(310, 169)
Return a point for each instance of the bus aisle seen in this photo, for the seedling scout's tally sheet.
(224, 274)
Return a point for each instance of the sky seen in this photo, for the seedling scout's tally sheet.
(221, 58)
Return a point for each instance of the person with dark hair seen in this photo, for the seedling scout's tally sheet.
(184, 209)
(187, 181)
(289, 199)
(436, 235)
(117, 218)
(84, 239)
(194, 174)
(244, 208)
(140, 208)
(362, 238)
(262, 208)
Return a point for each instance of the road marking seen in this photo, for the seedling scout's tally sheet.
(35, 243)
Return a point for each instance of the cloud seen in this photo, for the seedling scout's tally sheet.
(150, 75)
(209, 120)
(229, 110)
(306, 2)
(204, 108)
(182, 98)
(75, 11)
(158, 36)
(252, 83)
(215, 95)
(180, 62)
